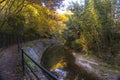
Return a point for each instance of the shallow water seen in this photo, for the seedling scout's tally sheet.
(60, 61)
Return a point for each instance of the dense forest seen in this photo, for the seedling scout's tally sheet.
(92, 28)
(95, 29)
(29, 17)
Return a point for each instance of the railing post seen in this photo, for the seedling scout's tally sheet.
(23, 67)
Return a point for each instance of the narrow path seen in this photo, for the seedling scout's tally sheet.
(9, 64)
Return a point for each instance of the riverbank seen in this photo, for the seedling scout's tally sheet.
(56, 57)
(94, 65)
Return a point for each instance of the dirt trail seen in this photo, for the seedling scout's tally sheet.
(9, 64)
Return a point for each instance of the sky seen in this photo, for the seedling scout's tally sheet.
(66, 3)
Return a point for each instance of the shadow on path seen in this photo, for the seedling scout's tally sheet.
(9, 64)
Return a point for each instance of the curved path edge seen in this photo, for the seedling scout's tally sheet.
(9, 64)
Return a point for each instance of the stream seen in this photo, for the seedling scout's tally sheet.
(67, 64)
(60, 61)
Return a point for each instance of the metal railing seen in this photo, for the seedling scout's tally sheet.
(26, 67)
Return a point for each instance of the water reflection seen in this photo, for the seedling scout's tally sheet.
(60, 73)
(61, 62)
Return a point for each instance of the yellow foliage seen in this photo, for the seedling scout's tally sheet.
(46, 21)
(83, 42)
(60, 64)
(61, 17)
(93, 12)
(3, 3)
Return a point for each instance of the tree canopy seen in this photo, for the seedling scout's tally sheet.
(92, 28)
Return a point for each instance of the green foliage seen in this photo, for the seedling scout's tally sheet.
(32, 20)
(16, 22)
(93, 28)
(30, 17)
(13, 24)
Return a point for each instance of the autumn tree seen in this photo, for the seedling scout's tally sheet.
(92, 28)
(39, 16)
